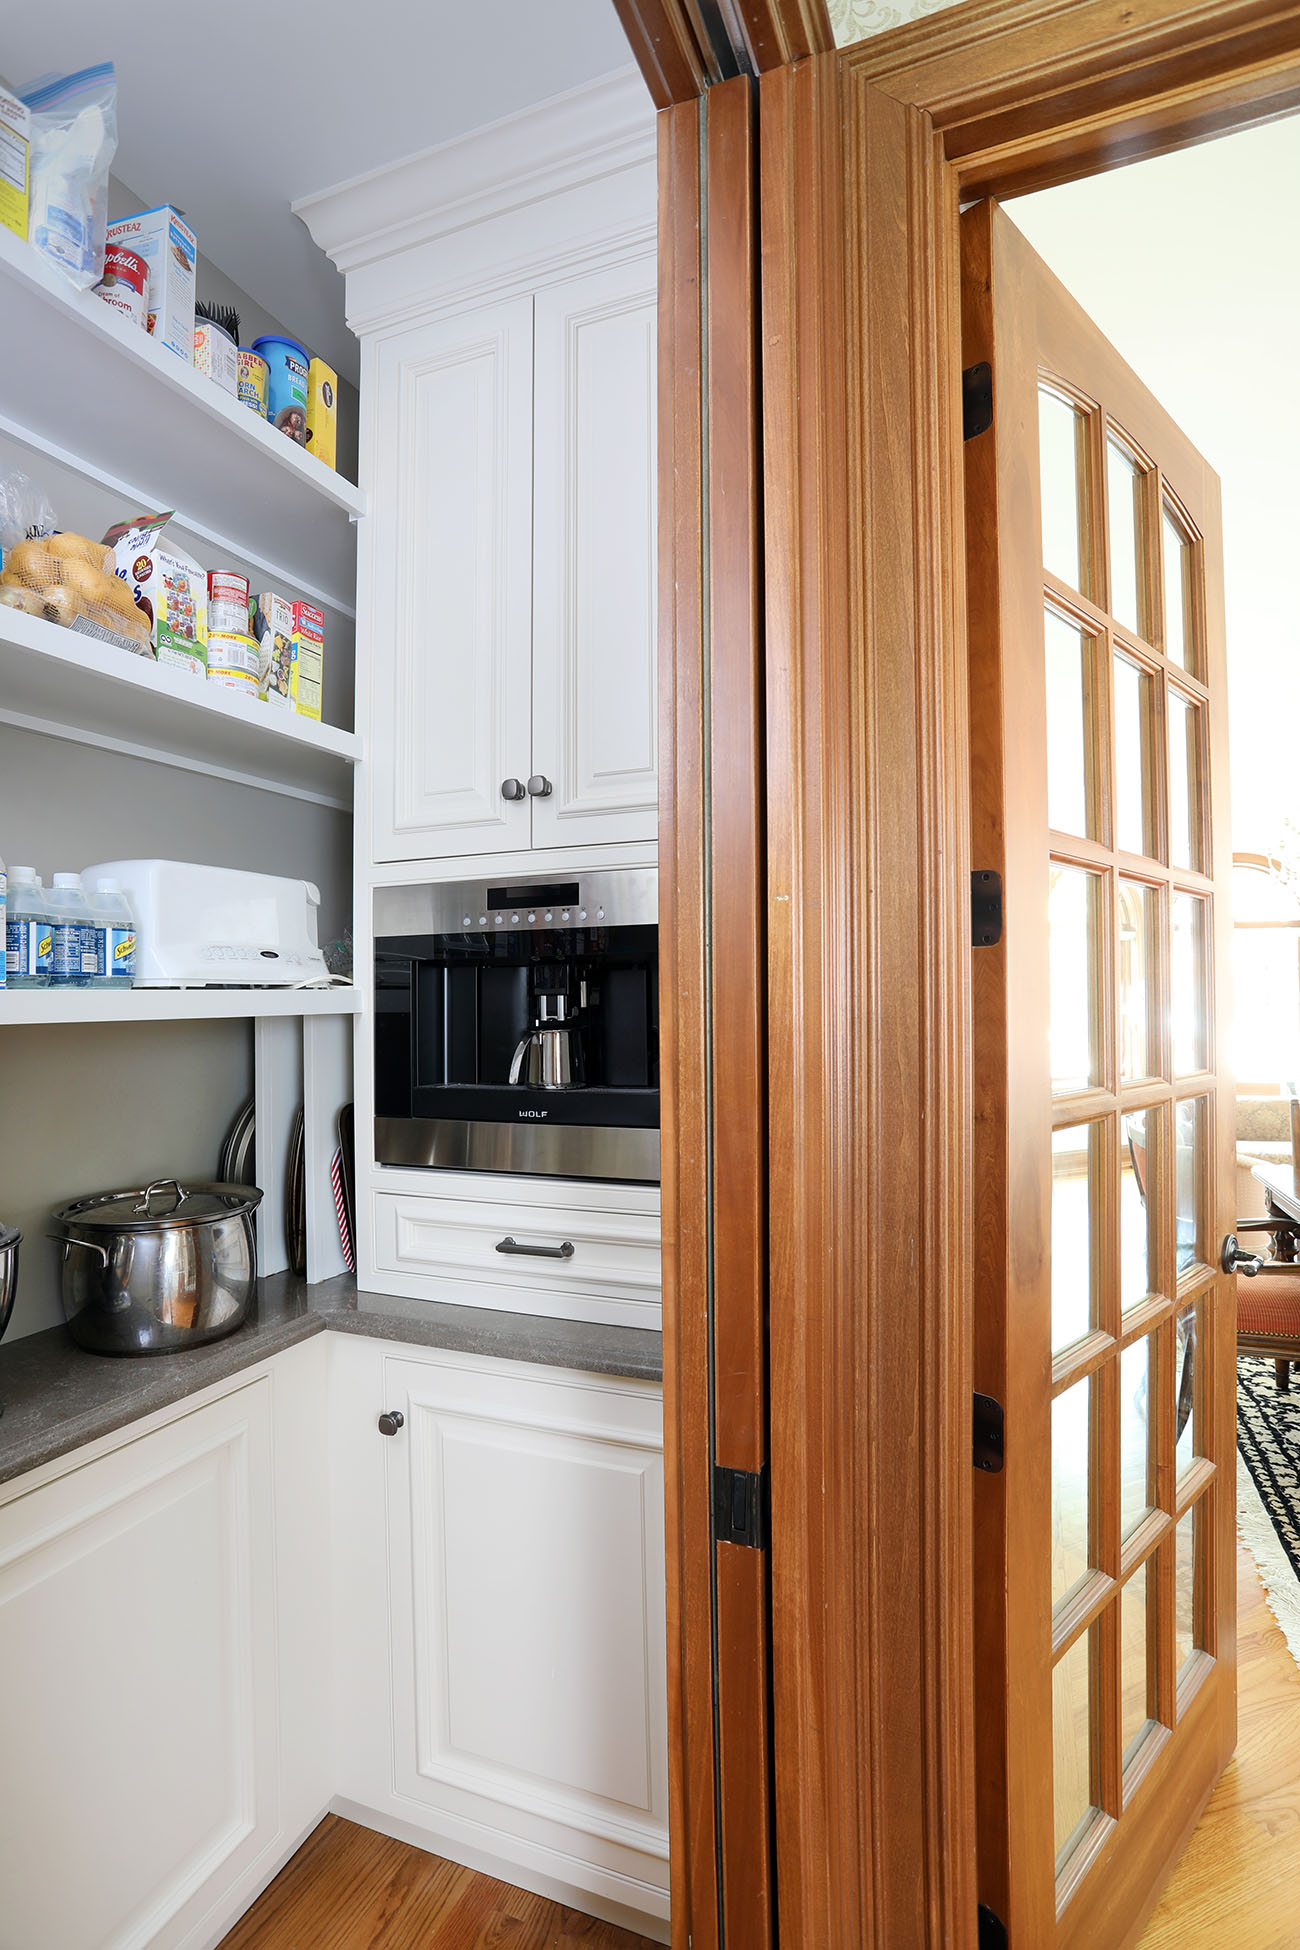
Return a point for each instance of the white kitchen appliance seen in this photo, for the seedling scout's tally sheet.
(202, 927)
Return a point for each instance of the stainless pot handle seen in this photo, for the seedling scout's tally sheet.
(161, 1185)
(87, 1244)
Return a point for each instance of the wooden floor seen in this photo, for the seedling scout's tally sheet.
(1237, 1884)
(1239, 1880)
(350, 1889)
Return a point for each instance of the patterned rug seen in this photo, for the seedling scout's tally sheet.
(1268, 1486)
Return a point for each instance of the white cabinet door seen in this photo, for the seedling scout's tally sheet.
(526, 1561)
(449, 548)
(138, 1718)
(594, 524)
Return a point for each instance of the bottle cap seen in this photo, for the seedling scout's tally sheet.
(22, 873)
(67, 880)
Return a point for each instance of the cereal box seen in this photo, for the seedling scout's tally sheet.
(308, 677)
(15, 162)
(322, 412)
(168, 246)
(170, 589)
(271, 626)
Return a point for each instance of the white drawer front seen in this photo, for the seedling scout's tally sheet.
(612, 1271)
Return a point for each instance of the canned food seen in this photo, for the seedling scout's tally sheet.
(125, 283)
(216, 354)
(286, 405)
(253, 372)
(227, 603)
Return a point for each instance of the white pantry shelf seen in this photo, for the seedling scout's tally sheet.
(53, 679)
(84, 379)
(34, 1007)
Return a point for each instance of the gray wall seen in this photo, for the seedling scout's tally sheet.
(89, 1109)
(85, 1108)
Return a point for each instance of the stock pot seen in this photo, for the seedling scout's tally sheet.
(157, 1269)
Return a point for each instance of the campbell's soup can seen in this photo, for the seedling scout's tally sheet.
(227, 603)
(125, 282)
(253, 375)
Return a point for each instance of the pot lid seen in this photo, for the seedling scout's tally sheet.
(165, 1203)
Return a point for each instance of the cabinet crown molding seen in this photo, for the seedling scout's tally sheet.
(569, 140)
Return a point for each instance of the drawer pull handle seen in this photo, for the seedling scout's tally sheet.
(563, 1251)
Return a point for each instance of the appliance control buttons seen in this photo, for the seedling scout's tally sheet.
(600, 913)
(565, 915)
(515, 919)
(582, 913)
(482, 920)
(499, 919)
(549, 915)
(467, 922)
(532, 917)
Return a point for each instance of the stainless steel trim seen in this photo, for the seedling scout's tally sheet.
(548, 1150)
(628, 897)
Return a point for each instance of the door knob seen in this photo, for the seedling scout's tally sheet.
(539, 786)
(391, 1421)
(514, 789)
(1233, 1259)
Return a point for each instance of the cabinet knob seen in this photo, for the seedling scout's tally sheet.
(514, 789)
(539, 786)
(391, 1421)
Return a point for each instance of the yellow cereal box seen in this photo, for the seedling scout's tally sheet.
(308, 659)
(322, 412)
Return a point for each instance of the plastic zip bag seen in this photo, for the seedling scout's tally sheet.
(74, 140)
(25, 511)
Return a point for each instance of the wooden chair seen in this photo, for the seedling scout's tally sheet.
(1268, 1303)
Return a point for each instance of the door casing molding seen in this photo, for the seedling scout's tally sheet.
(864, 157)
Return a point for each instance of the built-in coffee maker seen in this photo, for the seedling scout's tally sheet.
(517, 1026)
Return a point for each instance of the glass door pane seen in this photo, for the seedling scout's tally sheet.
(1062, 461)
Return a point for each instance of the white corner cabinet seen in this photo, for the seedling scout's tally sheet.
(504, 291)
(254, 1607)
(160, 1603)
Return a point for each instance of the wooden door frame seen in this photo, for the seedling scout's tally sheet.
(864, 157)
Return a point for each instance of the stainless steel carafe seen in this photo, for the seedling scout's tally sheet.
(545, 1058)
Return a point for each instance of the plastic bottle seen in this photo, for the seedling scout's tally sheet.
(114, 926)
(74, 934)
(29, 932)
(4, 929)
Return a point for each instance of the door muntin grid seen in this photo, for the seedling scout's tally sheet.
(1131, 1049)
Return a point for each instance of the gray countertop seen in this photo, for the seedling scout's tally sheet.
(56, 1396)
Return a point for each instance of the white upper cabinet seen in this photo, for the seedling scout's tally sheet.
(594, 662)
(450, 568)
(512, 572)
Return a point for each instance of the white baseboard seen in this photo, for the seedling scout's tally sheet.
(239, 1900)
(522, 1871)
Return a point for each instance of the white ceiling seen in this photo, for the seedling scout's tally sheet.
(232, 110)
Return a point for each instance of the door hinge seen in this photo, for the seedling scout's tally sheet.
(985, 908)
(976, 400)
(992, 1930)
(741, 1507)
(986, 1433)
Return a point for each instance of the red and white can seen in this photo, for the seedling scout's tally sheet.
(125, 282)
(227, 603)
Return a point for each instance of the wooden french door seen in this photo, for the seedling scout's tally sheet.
(1104, 1561)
